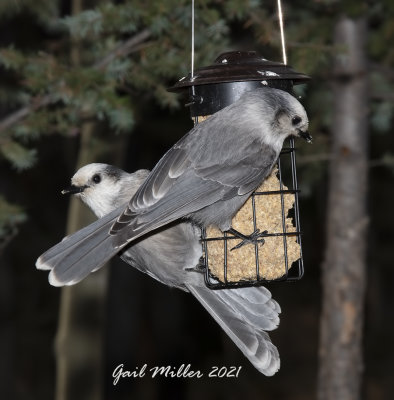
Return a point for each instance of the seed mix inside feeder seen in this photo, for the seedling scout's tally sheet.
(272, 211)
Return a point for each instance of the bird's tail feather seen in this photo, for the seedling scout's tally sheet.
(81, 253)
(244, 314)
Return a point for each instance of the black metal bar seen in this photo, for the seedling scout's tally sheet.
(244, 283)
(225, 258)
(282, 204)
(291, 191)
(296, 210)
(256, 247)
(205, 256)
(295, 233)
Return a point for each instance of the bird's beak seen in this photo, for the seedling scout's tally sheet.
(305, 135)
(74, 189)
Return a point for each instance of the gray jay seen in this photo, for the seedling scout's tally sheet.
(209, 173)
(204, 178)
(171, 256)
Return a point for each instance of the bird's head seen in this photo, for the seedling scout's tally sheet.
(291, 117)
(288, 116)
(99, 186)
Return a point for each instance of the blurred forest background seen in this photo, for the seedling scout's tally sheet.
(84, 81)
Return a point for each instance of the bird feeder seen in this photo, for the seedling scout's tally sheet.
(272, 210)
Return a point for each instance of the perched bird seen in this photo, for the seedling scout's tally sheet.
(204, 178)
(209, 174)
(170, 255)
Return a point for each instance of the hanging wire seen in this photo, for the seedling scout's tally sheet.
(282, 31)
(193, 96)
(192, 46)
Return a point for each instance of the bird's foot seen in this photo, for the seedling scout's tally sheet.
(200, 267)
(247, 239)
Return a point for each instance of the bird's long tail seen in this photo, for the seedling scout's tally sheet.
(245, 314)
(81, 253)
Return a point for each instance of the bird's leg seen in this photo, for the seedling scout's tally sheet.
(252, 238)
(200, 267)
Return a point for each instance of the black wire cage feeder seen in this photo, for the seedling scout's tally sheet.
(273, 209)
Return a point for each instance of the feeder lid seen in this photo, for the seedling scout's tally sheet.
(240, 66)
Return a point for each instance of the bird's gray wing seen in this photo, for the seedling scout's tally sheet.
(245, 314)
(163, 176)
(80, 253)
(193, 150)
(184, 181)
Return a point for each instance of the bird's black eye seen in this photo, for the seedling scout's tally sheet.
(96, 178)
(296, 120)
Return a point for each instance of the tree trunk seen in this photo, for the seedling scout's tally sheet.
(80, 336)
(344, 267)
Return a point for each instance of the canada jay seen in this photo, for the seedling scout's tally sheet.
(209, 174)
(171, 255)
(204, 179)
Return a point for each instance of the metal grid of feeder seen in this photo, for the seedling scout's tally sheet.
(210, 89)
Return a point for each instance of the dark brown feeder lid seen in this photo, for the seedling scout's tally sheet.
(237, 66)
(220, 84)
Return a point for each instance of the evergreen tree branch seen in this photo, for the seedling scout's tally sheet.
(123, 49)
(12, 119)
(38, 102)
